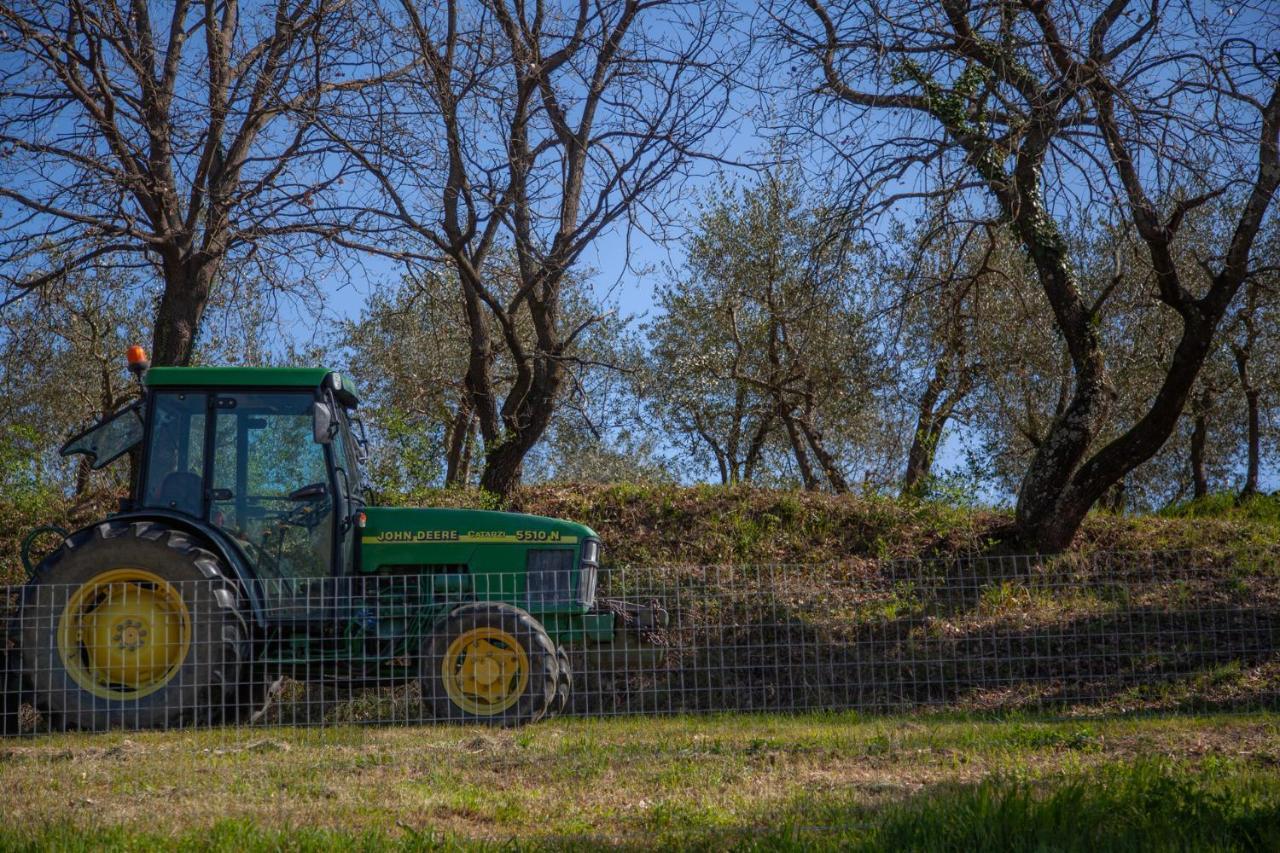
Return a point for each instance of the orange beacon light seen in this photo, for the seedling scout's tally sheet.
(137, 358)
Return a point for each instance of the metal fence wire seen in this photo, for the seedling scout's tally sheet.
(1078, 634)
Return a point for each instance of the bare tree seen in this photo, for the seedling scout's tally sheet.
(531, 128)
(1041, 108)
(171, 136)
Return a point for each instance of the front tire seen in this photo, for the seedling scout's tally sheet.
(132, 625)
(489, 663)
(564, 683)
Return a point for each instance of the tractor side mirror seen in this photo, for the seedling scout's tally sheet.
(323, 424)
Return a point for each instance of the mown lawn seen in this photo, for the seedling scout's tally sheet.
(834, 781)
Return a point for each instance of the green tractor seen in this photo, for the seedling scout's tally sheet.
(245, 551)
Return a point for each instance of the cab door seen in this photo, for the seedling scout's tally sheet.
(349, 484)
(271, 492)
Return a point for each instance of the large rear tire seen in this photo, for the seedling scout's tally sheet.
(132, 625)
(489, 663)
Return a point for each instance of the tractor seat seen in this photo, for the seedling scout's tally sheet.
(180, 491)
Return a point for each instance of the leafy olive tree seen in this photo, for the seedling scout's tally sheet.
(761, 357)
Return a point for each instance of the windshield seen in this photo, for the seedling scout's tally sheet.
(109, 439)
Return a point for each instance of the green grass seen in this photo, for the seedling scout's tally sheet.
(1150, 805)
(1259, 509)
(834, 781)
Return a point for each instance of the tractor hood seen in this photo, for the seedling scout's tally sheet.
(393, 525)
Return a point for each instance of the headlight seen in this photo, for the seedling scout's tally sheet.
(587, 584)
(591, 551)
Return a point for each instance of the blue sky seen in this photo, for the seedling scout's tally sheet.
(627, 266)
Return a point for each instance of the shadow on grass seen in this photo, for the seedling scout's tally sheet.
(1154, 633)
(1014, 635)
(1081, 634)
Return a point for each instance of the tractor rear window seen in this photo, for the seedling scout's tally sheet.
(109, 439)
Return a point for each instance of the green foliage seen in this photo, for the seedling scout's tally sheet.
(1258, 509)
(23, 488)
(955, 488)
(761, 354)
(410, 351)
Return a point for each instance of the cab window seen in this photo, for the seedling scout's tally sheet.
(270, 489)
(175, 462)
(109, 439)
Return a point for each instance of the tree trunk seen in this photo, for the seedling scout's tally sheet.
(797, 449)
(920, 457)
(757, 447)
(838, 483)
(524, 427)
(503, 466)
(82, 476)
(1255, 447)
(924, 443)
(931, 421)
(1114, 499)
(468, 447)
(457, 440)
(732, 466)
(722, 462)
(1053, 525)
(1048, 512)
(1199, 481)
(187, 287)
(1254, 425)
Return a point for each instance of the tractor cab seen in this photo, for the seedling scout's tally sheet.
(267, 457)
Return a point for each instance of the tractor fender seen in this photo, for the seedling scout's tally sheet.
(30, 539)
(210, 538)
(438, 621)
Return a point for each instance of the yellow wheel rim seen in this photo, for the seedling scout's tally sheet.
(485, 671)
(124, 634)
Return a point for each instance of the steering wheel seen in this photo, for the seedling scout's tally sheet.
(313, 500)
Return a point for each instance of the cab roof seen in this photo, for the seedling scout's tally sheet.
(249, 377)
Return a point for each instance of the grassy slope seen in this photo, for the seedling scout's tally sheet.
(772, 782)
(647, 524)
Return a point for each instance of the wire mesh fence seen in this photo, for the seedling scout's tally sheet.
(1107, 632)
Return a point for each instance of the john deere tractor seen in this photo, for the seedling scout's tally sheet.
(246, 548)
